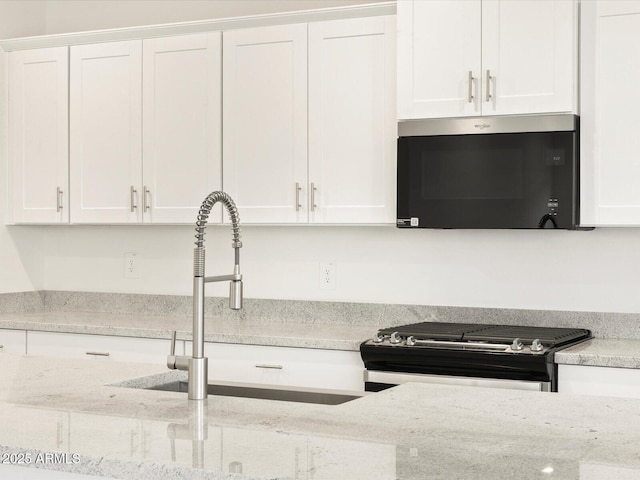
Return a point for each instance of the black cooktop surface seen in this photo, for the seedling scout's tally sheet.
(471, 332)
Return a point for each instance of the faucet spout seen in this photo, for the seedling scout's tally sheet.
(197, 364)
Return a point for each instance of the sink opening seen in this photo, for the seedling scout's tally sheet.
(266, 393)
(176, 381)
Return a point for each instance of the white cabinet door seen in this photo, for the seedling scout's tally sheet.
(610, 95)
(38, 135)
(352, 121)
(265, 122)
(486, 57)
(181, 126)
(602, 381)
(100, 347)
(295, 367)
(438, 58)
(13, 341)
(105, 132)
(529, 56)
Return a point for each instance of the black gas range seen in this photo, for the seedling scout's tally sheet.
(502, 356)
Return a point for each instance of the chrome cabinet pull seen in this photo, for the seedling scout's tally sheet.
(488, 86)
(133, 199)
(58, 199)
(98, 354)
(298, 204)
(267, 365)
(313, 196)
(470, 91)
(145, 204)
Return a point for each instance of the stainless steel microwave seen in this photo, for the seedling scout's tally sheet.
(489, 172)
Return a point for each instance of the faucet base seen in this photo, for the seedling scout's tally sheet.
(198, 378)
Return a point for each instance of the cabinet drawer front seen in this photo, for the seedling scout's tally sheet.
(99, 347)
(300, 367)
(13, 341)
(604, 381)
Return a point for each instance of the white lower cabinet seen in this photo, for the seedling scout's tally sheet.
(290, 366)
(13, 341)
(604, 381)
(100, 347)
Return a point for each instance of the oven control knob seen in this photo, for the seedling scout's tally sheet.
(536, 346)
(395, 338)
(411, 341)
(516, 345)
(378, 338)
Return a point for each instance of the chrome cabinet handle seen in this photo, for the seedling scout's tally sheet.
(58, 199)
(298, 204)
(267, 365)
(313, 196)
(470, 91)
(488, 86)
(145, 204)
(98, 354)
(133, 192)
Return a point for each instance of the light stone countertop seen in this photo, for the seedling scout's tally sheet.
(332, 336)
(604, 352)
(414, 431)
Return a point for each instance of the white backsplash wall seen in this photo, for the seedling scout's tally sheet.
(65, 16)
(20, 253)
(589, 271)
(550, 270)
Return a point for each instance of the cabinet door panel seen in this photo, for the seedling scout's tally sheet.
(38, 135)
(287, 366)
(13, 341)
(265, 122)
(100, 347)
(604, 381)
(181, 126)
(106, 104)
(438, 45)
(352, 121)
(529, 48)
(610, 144)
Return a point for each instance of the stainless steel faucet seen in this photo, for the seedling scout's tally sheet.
(197, 363)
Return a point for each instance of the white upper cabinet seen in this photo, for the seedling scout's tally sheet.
(439, 47)
(145, 129)
(106, 132)
(352, 121)
(610, 96)
(265, 122)
(486, 57)
(181, 110)
(38, 135)
(340, 166)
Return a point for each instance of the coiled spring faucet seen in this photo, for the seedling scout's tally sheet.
(196, 364)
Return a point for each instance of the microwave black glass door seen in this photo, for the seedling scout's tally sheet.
(506, 180)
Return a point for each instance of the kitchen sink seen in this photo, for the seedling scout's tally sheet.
(175, 382)
(327, 397)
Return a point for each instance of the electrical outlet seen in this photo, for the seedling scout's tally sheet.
(131, 267)
(327, 276)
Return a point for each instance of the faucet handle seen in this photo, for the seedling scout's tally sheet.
(179, 362)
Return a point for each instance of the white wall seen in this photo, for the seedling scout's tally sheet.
(588, 271)
(20, 255)
(80, 15)
(591, 271)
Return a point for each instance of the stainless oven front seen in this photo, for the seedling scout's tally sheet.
(376, 381)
